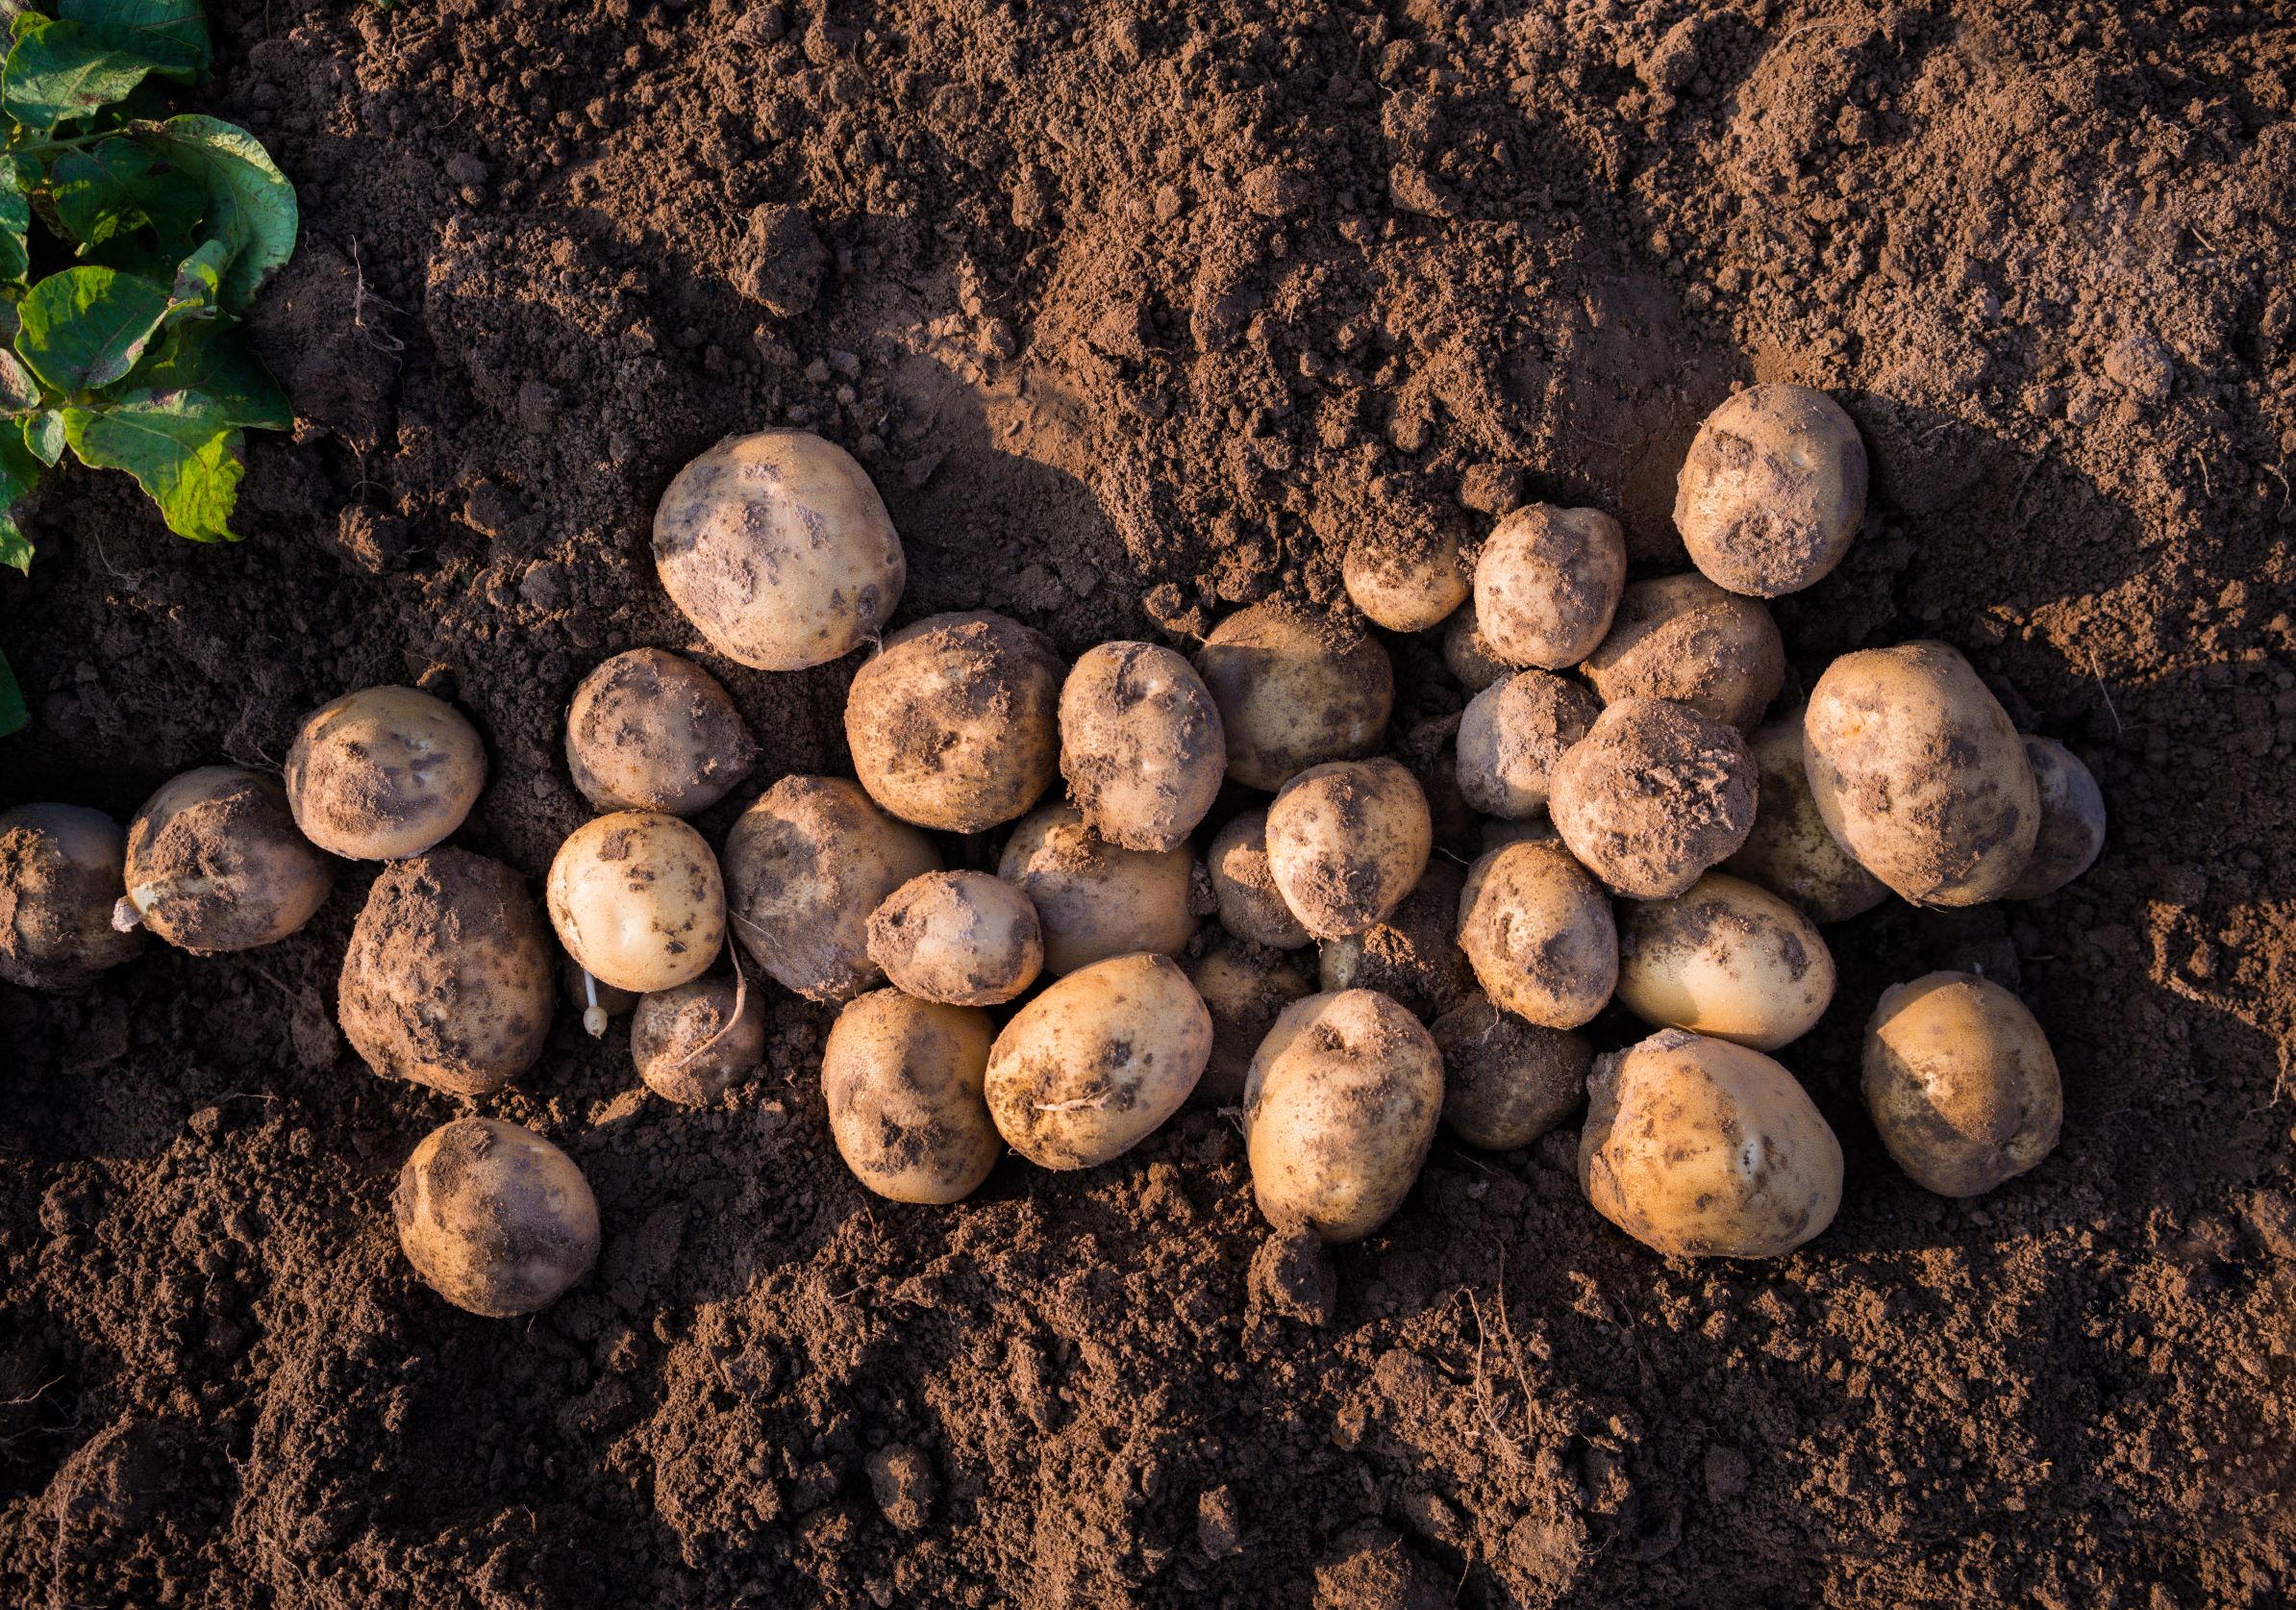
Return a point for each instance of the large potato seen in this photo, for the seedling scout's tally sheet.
(1772, 490)
(1790, 851)
(964, 939)
(215, 863)
(1510, 737)
(1507, 1082)
(1251, 905)
(690, 1044)
(637, 898)
(384, 772)
(1405, 581)
(1724, 958)
(63, 871)
(1683, 639)
(1346, 841)
(1538, 932)
(1652, 795)
(1962, 1083)
(903, 1079)
(649, 731)
(1411, 956)
(1546, 584)
(1095, 899)
(1244, 986)
(2072, 832)
(1141, 745)
(957, 724)
(495, 1219)
(1294, 688)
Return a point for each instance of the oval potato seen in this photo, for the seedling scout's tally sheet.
(903, 1081)
(1294, 690)
(962, 938)
(1724, 958)
(650, 731)
(1683, 639)
(1547, 583)
(637, 898)
(1962, 1083)
(1652, 795)
(1346, 841)
(215, 863)
(1538, 932)
(1095, 899)
(1790, 850)
(495, 1219)
(2072, 831)
(1772, 490)
(384, 772)
(1142, 744)
(1251, 905)
(1507, 1082)
(62, 870)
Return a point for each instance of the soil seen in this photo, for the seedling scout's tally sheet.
(1134, 320)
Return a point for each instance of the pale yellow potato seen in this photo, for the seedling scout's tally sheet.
(1244, 986)
(1412, 955)
(215, 863)
(957, 724)
(1962, 1083)
(1141, 745)
(1294, 688)
(1251, 905)
(384, 772)
(778, 549)
(1724, 958)
(692, 1042)
(1469, 655)
(1537, 930)
(1790, 851)
(1346, 841)
(1406, 584)
(649, 731)
(495, 1219)
(964, 939)
(1507, 1082)
(1683, 639)
(62, 873)
(1510, 736)
(636, 897)
(1652, 795)
(1095, 899)
(1772, 490)
(1547, 583)
(902, 1079)
(2072, 832)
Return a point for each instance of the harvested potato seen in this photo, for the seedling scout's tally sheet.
(1243, 986)
(1510, 737)
(1470, 654)
(1538, 932)
(1698, 1147)
(446, 981)
(1346, 841)
(1339, 1109)
(495, 1219)
(1921, 775)
(649, 731)
(1412, 955)
(1507, 1082)
(957, 724)
(1772, 490)
(1095, 899)
(636, 897)
(384, 772)
(598, 1001)
(1294, 688)
(1547, 583)
(777, 546)
(2072, 831)
(1683, 639)
(1962, 1083)
(1141, 745)
(1251, 905)
(214, 863)
(1405, 582)
(964, 939)
(1726, 959)
(62, 870)
(1790, 851)
(690, 1044)
(805, 866)
(1095, 1063)
(903, 1081)
(1652, 795)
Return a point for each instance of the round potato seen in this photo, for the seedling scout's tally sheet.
(1095, 899)
(1726, 959)
(778, 549)
(957, 724)
(1652, 795)
(384, 772)
(1538, 932)
(637, 898)
(1698, 1147)
(1772, 490)
(1683, 639)
(1510, 737)
(2072, 831)
(1962, 1083)
(1244, 986)
(495, 1219)
(1469, 656)
(1141, 745)
(598, 1002)
(649, 731)
(1412, 956)
(63, 871)
(1547, 583)
(1507, 1082)
(903, 1081)
(692, 1042)
(214, 863)
(1095, 1063)
(1294, 688)
(1346, 841)
(964, 939)
(1251, 905)
(1790, 851)
(1405, 582)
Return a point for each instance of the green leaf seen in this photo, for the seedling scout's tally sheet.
(172, 33)
(15, 219)
(214, 361)
(86, 327)
(199, 283)
(43, 435)
(251, 207)
(56, 72)
(19, 473)
(180, 449)
(119, 185)
(18, 391)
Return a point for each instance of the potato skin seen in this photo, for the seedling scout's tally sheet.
(1141, 745)
(962, 938)
(384, 772)
(1790, 852)
(495, 1219)
(1698, 1148)
(1095, 899)
(2072, 832)
(1243, 986)
(1726, 959)
(902, 1079)
(1098, 1062)
(1294, 690)
(777, 546)
(1546, 584)
(1251, 905)
(1469, 655)
(1683, 639)
(214, 863)
(1411, 956)
(1539, 933)
(1652, 795)
(1772, 490)
(690, 1043)
(1406, 586)
(650, 731)
(1962, 1083)
(637, 899)
(1507, 1082)
(62, 869)
(1510, 736)
(1920, 774)
(1346, 841)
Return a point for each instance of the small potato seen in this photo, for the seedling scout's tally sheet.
(1683, 639)
(1510, 737)
(964, 939)
(1413, 957)
(446, 981)
(1538, 932)
(1962, 1083)
(1251, 905)
(903, 1080)
(636, 897)
(691, 1042)
(1095, 899)
(648, 731)
(1141, 745)
(777, 546)
(1294, 688)
(1698, 1147)
(957, 724)
(1507, 1082)
(1244, 986)
(495, 1219)
(1095, 1063)
(1772, 490)
(384, 772)
(62, 870)
(1921, 775)
(1725, 958)
(1652, 795)
(214, 863)
(1405, 582)
(2072, 833)
(1790, 852)
(1339, 1110)
(598, 1002)
(805, 866)
(1346, 841)
(1547, 583)
(1469, 655)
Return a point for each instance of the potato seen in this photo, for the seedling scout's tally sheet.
(1652, 795)
(636, 897)
(446, 981)
(1683, 639)
(1430, 752)
(1141, 745)
(2072, 832)
(1962, 1083)
(598, 1002)
(691, 1042)
(384, 772)
(648, 731)
(214, 863)
(1537, 931)
(1412, 956)
(1510, 737)
(1346, 841)
(1698, 1147)
(1723, 959)
(1095, 899)
(1507, 1082)
(902, 1079)
(1339, 1109)
(1772, 490)
(1091, 1067)
(1294, 688)
(61, 874)
(805, 868)
(964, 939)
(1251, 905)
(1920, 774)
(495, 1219)
(1546, 584)
(957, 724)
(775, 545)
(1405, 582)
(1243, 986)
(1790, 851)
(1469, 655)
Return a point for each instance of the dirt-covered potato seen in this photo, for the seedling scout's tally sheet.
(1920, 774)
(1547, 583)
(1091, 1067)
(1537, 930)
(1683, 639)
(902, 1079)
(964, 939)
(1294, 688)
(1724, 958)
(636, 897)
(215, 863)
(805, 866)
(649, 731)
(1507, 1082)
(2072, 831)
(62, 870)
(1341, 1107)
(1962, 1083)
(1095, 899)
(495, 1219)
(1251, 905)
(691, 1042)
(1141, 745)
(1652, 795)
(1346, 841)
(446, 981)
(957, 724)
(384, 772)
(1244, 986)
(1412, 955)
(1700, 1147)
(1772, 490)
(1790, 851)
(1469, 655)
(596, 1002)
(1405, 582)
(1510, 737)
(777, 546)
